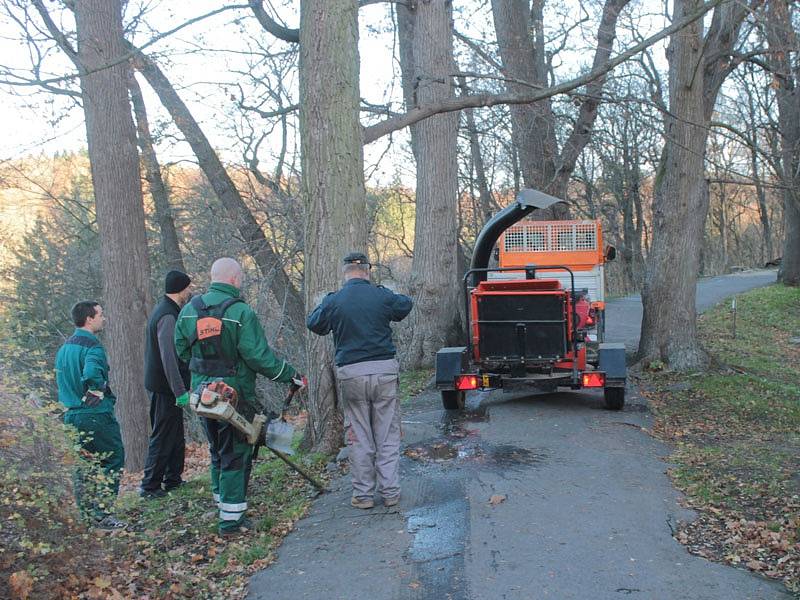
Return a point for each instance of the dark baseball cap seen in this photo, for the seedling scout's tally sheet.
(356, 258)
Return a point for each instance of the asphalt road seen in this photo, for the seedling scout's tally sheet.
(520, 497)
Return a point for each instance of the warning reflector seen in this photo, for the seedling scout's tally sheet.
(466, 382)
(594, 379)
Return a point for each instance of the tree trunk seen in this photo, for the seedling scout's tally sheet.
(767, 252)
(426, 41)
(697, 67)
(486, 206)
(269, 263)
(152, 174)
(111, 139)
(520, 37)
(790, 266)
(333, 183)
(786, 73)
(669, 328)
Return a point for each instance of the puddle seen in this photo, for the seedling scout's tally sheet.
(473, 451)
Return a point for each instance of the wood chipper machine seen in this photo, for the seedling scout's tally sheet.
(536, 320)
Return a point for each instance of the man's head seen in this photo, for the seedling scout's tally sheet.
(178, 287)
(227, 270)
(356, 265)
(88, 315)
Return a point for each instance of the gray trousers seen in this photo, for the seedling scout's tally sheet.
(368, 391)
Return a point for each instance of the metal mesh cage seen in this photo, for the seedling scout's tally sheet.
(551, 237)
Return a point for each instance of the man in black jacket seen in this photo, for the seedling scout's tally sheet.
(359, 316)
(166, 377)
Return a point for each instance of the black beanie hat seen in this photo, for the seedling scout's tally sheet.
(176, 281)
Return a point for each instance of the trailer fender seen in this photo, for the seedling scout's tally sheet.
(450, 362)
(611, 360)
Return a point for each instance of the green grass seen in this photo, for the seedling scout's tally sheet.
(413, 382)
(736, 430)
(177, 534)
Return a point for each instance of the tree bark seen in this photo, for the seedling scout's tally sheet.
(697, 67)
(332, 186)
(486, 205)
(783, 45)
(426, 42)
(111, 138)
(269, 263)
(152, 174)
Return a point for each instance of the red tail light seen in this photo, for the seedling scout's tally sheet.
(466, 382)
(594, 379)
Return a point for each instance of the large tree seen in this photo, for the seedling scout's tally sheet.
(425, 34)
(111, 138)
(333, 181)
(698, 64)
(785, 66)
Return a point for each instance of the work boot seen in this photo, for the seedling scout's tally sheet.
(150, 494)
(388, 502)
(244, 526)
(362, 502)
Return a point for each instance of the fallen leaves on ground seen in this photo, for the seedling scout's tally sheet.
(21, 585)
(735, 434)
(196, 463)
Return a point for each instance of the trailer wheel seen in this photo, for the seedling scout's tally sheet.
(614, 397)
(453, 399)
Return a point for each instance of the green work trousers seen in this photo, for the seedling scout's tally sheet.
(97, 476)
(231, 461)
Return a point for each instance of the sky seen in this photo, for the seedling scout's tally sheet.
(36, 122)
(208, 58)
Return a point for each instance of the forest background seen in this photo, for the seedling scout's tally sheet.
(397, 128)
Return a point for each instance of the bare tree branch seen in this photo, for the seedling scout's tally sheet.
(415, 115)
(479, 51)
(57, 34)
(122, 58)
(270, 25)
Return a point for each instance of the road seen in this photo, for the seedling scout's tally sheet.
(520, 497)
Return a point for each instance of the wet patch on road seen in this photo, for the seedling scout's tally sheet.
(440, 529)
(473, 452)
(462, 444)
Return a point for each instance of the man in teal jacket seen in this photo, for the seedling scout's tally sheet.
(221, 338)
(82, 378)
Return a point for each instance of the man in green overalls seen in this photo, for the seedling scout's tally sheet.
(82, 378)
(221, 338)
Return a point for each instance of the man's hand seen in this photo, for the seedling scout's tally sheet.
(298, 383)
(92, 398)
(182, 400)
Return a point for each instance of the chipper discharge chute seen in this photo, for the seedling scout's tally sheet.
(537, 319)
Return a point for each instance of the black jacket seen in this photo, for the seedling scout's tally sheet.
(164, 372)
(359, 315)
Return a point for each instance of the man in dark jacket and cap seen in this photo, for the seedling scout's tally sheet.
(166, 377)
(359, 315)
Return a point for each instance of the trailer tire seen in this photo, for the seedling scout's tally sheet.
(453, 399)
(614, 397)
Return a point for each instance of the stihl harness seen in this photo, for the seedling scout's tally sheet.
(208, 333)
